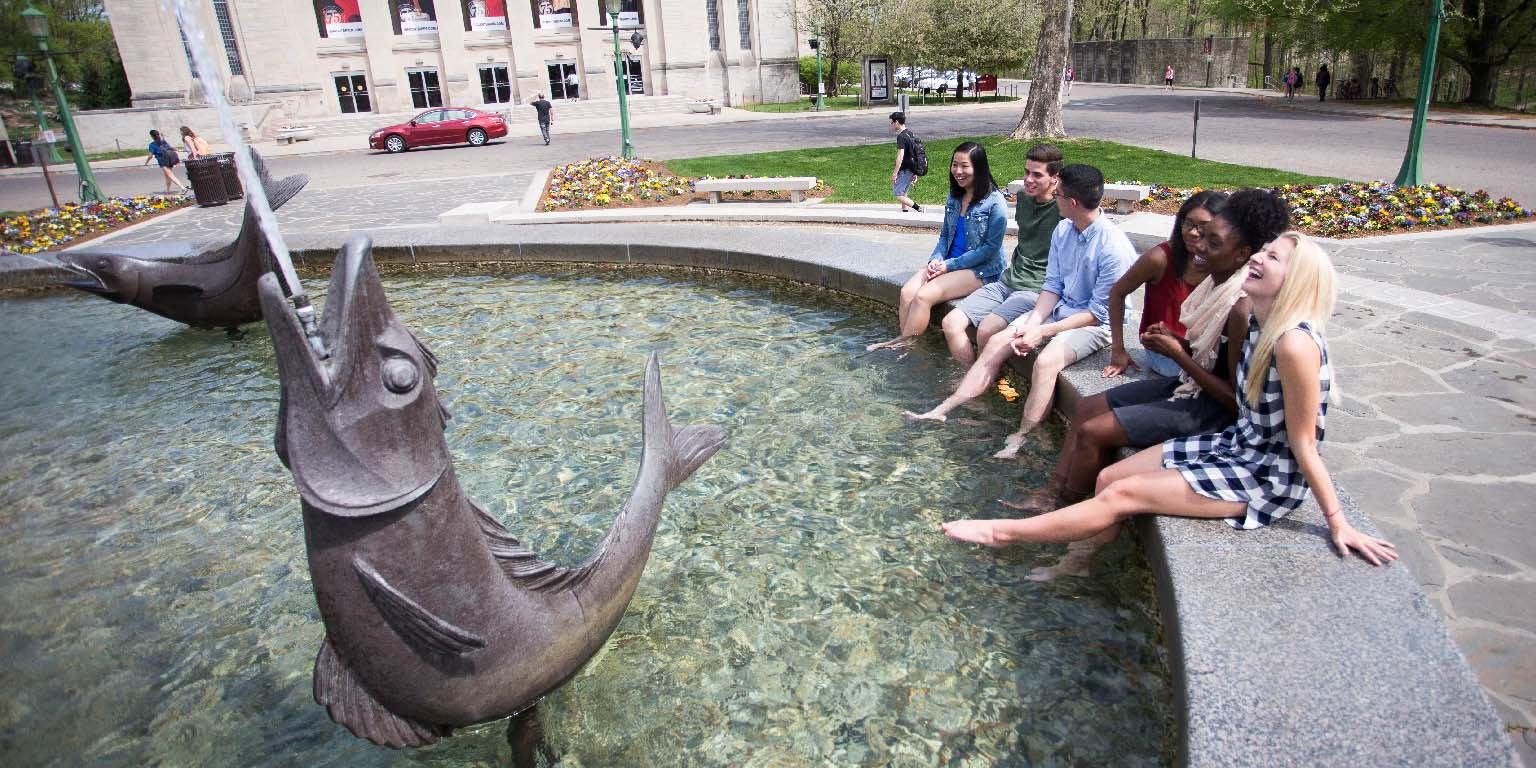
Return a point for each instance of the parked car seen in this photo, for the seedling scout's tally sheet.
(445, 125)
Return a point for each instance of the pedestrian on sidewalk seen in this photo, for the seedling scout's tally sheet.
(164, 155)
(905, 174)
(546, 113)
(1290, 79)
(1066, 81)
(1168, 78)
(195, 145)
(1323, 79)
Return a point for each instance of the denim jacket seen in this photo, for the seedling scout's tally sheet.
(985, 224)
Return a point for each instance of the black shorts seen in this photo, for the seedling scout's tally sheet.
(1148, 417)
(1167, 81)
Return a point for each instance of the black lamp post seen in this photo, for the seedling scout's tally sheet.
(37, 25)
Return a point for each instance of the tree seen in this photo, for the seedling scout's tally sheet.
(1042, 110)
(1483, 36)
(838, 25)
(87, 55)
(979, 35)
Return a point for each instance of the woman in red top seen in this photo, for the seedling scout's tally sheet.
(1200, 400)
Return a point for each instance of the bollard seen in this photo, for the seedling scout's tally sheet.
(1195, 139)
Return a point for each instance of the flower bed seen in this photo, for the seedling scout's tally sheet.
(1374, 208)
(614, 182)
(48, 229)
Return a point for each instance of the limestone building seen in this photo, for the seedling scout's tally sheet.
(327, 58)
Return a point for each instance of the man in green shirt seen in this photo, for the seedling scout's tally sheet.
(994, 305)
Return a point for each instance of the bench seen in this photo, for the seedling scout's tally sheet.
(796, 185)
(288, 134)
(704, 106)
(1124, 195)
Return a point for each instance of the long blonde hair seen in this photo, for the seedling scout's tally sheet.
(1307, 295)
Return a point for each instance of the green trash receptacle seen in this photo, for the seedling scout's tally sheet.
(231, 175)
(207, 182)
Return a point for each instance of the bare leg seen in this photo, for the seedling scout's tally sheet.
(1060, 488)
(1042, 390)
(990, 325)
(1140, 487)
(950, 285)
(955, 325)
(908, 295)
(980, 376)
(1096, 437)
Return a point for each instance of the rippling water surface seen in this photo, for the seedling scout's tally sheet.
(799, 607)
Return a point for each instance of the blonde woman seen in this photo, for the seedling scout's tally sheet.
(1257, 470)
(195, 145)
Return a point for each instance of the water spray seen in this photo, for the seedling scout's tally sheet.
(213, 89)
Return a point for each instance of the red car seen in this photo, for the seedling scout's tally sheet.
(446, 125)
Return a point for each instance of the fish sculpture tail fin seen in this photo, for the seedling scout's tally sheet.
(684, 450)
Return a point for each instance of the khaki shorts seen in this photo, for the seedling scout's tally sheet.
(1081, 342)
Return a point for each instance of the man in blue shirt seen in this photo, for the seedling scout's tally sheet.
(1070, 321)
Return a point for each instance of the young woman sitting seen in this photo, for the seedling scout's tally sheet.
(1253, 472)
(969, 253)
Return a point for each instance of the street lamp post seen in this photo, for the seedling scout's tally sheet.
(27, 68)
(816, 44)
(626, 147)
(37, 24)
(1408, 175)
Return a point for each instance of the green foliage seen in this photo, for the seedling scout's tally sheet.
(848, 68)
(84, 50)
(863, 174)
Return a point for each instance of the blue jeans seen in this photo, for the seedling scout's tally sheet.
(1162, 365)
(544, 130)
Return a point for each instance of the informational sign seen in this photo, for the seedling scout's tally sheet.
(487, 15)
(987, 83)
(50, 137)
(629, 13)
(417, 16)
(555, 14)
(879, 81)
(341, 18)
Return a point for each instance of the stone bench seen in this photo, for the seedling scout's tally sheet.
(1123, 195)
(288, 134)
(704, 106)
(797, 186)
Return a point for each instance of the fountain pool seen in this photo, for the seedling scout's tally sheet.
(799, 607)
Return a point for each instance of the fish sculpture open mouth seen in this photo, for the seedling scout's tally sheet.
(436, 616)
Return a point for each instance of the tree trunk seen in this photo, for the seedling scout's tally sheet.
(1194, 16)
(1146, 7)
(1042, 111)
(1269, 53)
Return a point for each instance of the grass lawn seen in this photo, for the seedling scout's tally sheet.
(863, 174)
(852, 102)
(113, 154)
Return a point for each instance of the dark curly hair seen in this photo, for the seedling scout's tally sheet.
(1211, 200)
(1258, 215)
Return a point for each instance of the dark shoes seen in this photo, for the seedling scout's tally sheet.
(917, 208)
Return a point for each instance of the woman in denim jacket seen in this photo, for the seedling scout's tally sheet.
(966, 257)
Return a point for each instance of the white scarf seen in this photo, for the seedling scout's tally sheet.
(1204, 317)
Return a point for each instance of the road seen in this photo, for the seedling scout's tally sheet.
(1233, 128)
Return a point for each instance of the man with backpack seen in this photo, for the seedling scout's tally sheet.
(911, 162)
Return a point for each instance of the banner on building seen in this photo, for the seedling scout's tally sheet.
(415, 17)
(340, 18)
(555, 14)
(629, 13)
(487, 15)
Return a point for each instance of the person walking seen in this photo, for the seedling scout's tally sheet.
(1323, 79)
(195, 145)
(905, 173)
(571, 86)
(546, 112)
(164, 155)
(1066, 83)
(1290, 83)
(1168, 78)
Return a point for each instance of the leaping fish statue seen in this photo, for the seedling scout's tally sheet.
(435, 615)
(209, 288)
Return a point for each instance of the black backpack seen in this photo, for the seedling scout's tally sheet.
(919, 155)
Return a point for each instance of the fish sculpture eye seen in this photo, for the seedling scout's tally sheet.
(400, 375)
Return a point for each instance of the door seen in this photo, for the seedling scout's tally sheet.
(430, 128)
(633, 76)
(352, 93)
(425, 89)
(562, 79)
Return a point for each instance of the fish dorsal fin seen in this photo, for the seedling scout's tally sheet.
(426, 633)
(348, 703)
(523, 564)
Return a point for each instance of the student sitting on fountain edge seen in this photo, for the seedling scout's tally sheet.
(1071, 319)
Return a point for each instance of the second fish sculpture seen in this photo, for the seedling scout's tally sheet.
(435, 615)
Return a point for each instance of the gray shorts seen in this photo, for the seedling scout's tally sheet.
(994, 298)
(902, 183)
(1149, 417)
(1082, 342)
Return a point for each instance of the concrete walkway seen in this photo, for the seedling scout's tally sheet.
(1435, 346)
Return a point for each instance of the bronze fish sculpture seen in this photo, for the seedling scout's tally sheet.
(435, 615)
(208, 288)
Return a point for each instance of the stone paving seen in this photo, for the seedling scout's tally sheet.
(1434, 347)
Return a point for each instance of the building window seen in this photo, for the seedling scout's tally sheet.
(712, 13)
(554, 15)
(495, 88)
(425, 88)
(352, 92)
(744, 23)
(631, 12)
(227, 33)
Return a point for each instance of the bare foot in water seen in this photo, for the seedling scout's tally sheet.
(1077, 562)
(1043, 499)
(913, 418)
(1011, 446)
(900, 342)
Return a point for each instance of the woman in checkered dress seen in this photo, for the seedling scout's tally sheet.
(1260, 468)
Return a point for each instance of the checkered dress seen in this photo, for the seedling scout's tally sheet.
(1251, 460)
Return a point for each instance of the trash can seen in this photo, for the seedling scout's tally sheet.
(231, 174)
(23, 150)
(207, 182)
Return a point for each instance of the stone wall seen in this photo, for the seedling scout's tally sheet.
(1143, 61)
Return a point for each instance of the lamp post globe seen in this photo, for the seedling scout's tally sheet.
(36, 22)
